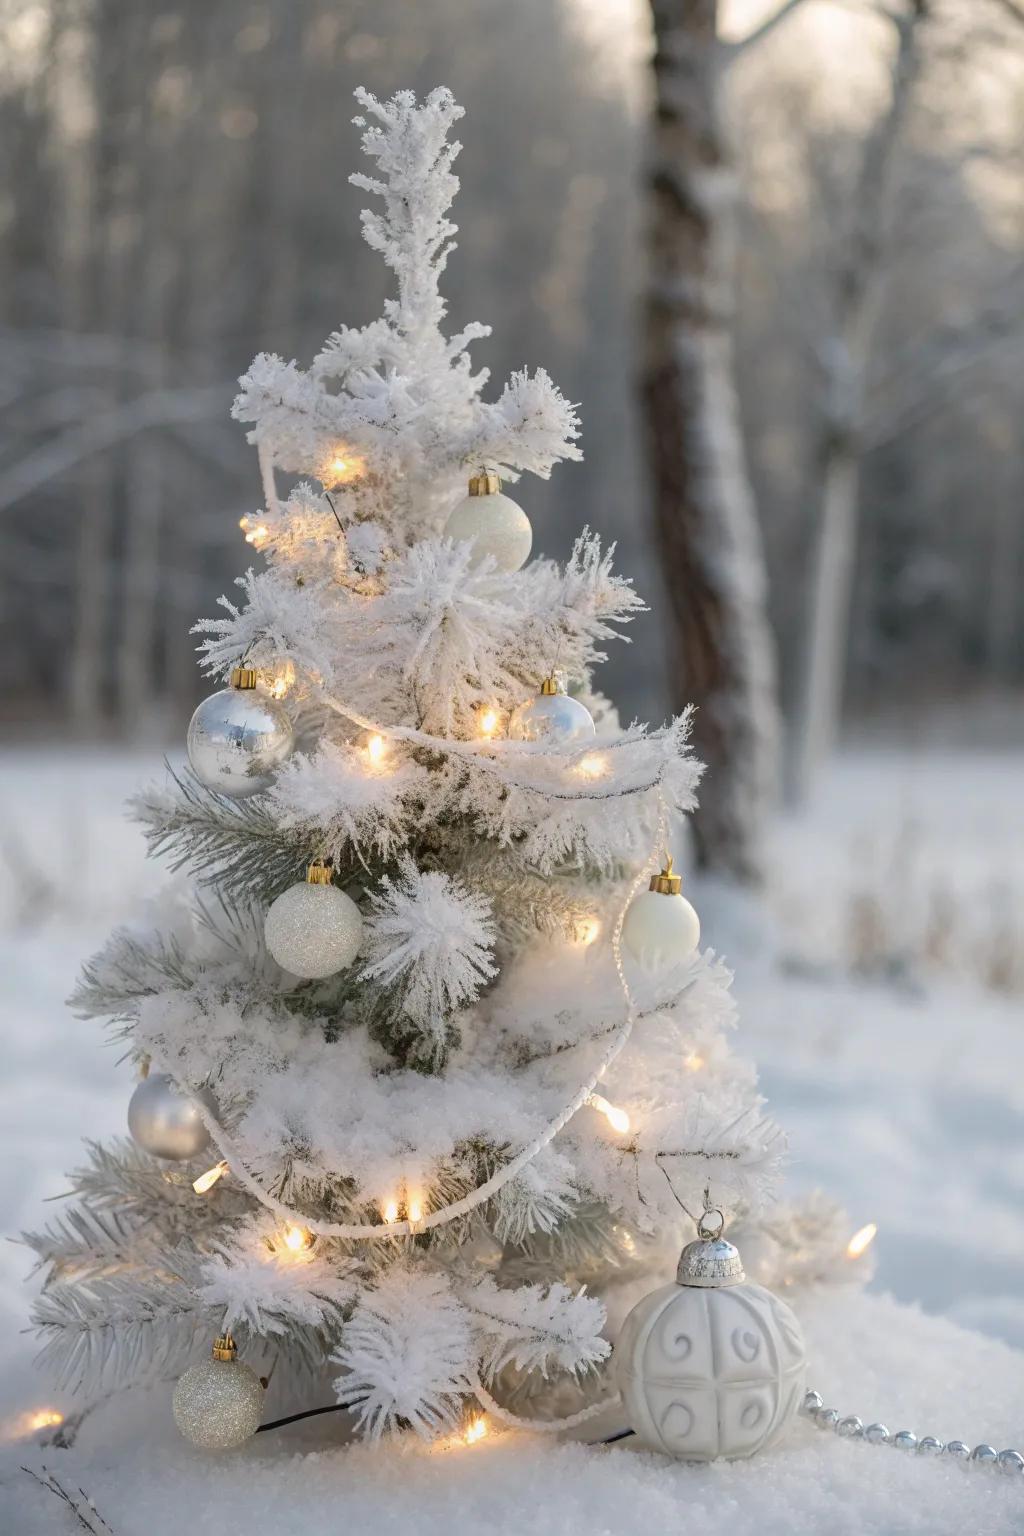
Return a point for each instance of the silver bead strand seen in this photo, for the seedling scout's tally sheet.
(1010, 1462)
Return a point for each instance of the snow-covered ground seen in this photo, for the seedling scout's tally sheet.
(890, 1041)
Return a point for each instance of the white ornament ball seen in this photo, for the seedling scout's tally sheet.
(493, 523)
(661, 927)
(165, 1122)
(712, 1365)
(314, 930)
(238, 737)
(218, 1403)
(553, 718)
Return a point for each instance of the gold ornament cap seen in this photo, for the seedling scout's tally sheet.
(224, 1347)
(668, 883)
(319, 872)
(484, 483)
(244, 677)
(551, 685)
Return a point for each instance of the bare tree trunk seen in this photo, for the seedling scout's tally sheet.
(837, 459)
(723, 656)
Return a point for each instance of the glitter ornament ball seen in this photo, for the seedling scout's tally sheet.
(218, 1403)
(314, 930)
(552, 717)
(238, 737)
(493, 523)
(712, 1365)
(165, 1122)
(661, 927)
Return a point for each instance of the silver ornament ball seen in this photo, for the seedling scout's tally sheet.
(905, 1440)
(929, 1446)
(552, 718)
(165, 1122)
(984, 1454)
(494, 524)
(314, 930)
(238, 737)
(218, 1403)
(958, 1449)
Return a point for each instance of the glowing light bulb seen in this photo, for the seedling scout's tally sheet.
(284, 678)
(617, 1118)
(488, 722)
(592, 766)
(257, 536)
(861, 1240)
(376, 750)
(42, 1418)
(208, 1179)
(475, 1430)
(298, 1238)
(586, 930)
(414, 1208)
(693, 1062)
(391, 1210)
(342, 467)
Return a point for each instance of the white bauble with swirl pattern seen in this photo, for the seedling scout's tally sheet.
(711, 1366)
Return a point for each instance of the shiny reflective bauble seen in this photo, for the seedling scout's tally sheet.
(236, 739)
(1010, 1462)
(552, 718)
(827, 1418)
(314, 930)
(984, 1453)
(495, 525)
(166, 1122)
(660, 930)
(929, 1446)
(905, 1440)
(877, 1434)
(710, 1368)
(850, 1428)
(958, 1449)
(218, 1404)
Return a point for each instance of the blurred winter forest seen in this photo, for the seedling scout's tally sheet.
(821, 355)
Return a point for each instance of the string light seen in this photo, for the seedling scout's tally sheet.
(376, 750)
(414, 1208)
(342, 468)
(693, 1062)
(284, 678)
(488, 722)
(298, 1238)
(617, 1118)
(861, 1240)
(208, 1179)
(586, 930)
(475, 1430)
(593, 766)
(256, 536)
(390, 1211)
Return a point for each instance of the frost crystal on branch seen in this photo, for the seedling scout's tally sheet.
(429, 941)
(407, 1354)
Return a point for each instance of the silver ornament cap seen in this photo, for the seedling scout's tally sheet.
(710, 1262)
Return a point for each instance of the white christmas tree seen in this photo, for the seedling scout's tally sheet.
(431, 1070)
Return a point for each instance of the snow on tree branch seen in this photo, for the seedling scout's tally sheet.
(265, 1285)
(407, 1354)
(536, 1328)
(430, 941)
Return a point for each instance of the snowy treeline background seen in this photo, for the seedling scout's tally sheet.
(175, 199)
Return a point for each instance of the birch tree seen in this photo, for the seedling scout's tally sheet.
(723, 656)
(845, 355)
